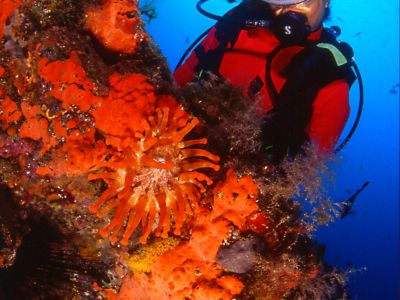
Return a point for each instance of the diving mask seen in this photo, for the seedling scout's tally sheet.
(284, 2)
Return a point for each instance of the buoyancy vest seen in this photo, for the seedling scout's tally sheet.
(227, 31)
(318, 64)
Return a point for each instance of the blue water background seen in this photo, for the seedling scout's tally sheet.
(368, 238)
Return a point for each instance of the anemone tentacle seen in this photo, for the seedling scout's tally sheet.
(155, 177)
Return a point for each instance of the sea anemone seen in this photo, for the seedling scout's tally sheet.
(153, 177)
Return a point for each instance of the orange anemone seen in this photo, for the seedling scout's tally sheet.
(155, 176)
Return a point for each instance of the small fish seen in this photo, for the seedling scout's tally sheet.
(348, 204)
(349, 263)
(340, 19)
(187, 39)
(357, 34)
(395, 89)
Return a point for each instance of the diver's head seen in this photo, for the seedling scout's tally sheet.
(314, 10)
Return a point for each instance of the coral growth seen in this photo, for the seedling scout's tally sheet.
(231, 121)
(154, 176)
(149, 167)
(189, 270)
(115, 24)
(95, 138)
(289, 276)
(6, 10)
(151, 171)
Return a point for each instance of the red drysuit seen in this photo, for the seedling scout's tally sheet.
(246, 60)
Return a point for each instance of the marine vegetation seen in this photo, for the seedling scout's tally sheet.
(148, 9)
(117, 184)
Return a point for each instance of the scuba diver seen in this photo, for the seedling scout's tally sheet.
(280, 55)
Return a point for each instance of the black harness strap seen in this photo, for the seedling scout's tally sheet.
(308, 72)
(227, 32)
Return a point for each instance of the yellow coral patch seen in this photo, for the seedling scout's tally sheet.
(143, 260)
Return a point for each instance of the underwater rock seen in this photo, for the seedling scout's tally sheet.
(190, 270)
(10, 237)
(49, 265)
(116, 184)
(240, 257)
(231, 122)
(74, 120)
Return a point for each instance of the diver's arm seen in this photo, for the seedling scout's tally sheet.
(187, 71)
(331, 110)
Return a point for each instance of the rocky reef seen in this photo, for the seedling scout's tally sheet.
(116, 184)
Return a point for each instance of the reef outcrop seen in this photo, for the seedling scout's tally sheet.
(116, 184)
